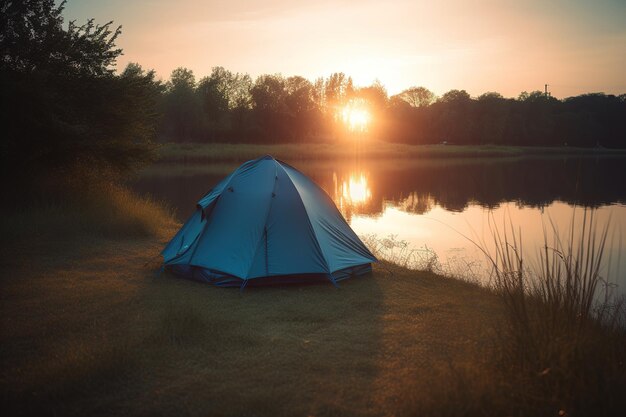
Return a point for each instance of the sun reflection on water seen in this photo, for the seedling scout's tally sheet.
(351, 192)
(356, 190)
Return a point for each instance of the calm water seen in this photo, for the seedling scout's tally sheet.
(433, 204)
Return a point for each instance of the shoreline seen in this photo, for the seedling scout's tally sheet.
(228, 152)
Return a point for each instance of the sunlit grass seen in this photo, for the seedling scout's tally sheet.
(102, 210)
(225, 152)
(106, 335)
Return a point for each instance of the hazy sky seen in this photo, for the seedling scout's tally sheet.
(507, 46)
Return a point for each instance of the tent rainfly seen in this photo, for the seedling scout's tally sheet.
(266, 223)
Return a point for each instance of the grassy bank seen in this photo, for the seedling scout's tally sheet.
(194, 152)
(101, 211)
(89, 328)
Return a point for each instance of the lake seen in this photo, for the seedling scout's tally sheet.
(434, 212)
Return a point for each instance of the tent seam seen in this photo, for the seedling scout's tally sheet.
(265, 225)
(206, 218)
(308, 219)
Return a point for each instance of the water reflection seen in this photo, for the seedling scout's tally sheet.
(351, 193)
(430, 202)
(417, 203)
(446, 234)
(419, 186)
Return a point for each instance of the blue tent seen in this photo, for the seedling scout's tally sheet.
(266, 223)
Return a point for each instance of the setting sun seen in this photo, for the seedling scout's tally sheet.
(356, 117)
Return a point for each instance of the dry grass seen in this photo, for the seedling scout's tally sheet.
(101, 210)
(91, 330)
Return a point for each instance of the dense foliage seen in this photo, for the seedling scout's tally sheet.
(62, 105)
(228, 107)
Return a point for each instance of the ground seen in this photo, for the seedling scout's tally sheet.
(373, 150)
(92, 329)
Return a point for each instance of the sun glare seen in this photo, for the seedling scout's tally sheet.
(356, 191)
(356, 117)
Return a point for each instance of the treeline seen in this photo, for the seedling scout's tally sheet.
(232, 107)
(531, 119)
(62, 105)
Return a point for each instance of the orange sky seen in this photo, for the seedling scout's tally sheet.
(506, 46)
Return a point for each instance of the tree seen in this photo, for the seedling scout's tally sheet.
(454, 122)
(239, 93)
(455, 96)
(300, 106)
(299, 98)
(375, 95)
(143, 92)
(490, 96)
(33, 40)
(62, 105)
(594, 119)
(213, 94)
(318, 93)
(335, 91)
(268, 93)
(182, 106)
(182, 79)
(418, 96)
(269, 104)
(225, 98)
(491, 118)
(537, 119)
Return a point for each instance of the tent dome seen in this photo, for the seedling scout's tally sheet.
(264, 223)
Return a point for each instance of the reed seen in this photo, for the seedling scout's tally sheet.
(563, 336)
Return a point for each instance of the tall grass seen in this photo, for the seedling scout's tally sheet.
(109, 211)
(399, 253)
(559, 347)
(74, 206)
(563, 341)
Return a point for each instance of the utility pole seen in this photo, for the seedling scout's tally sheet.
(546, 91)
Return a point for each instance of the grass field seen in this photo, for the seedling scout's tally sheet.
(91, 330)
(87, 327)
(195, 152)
